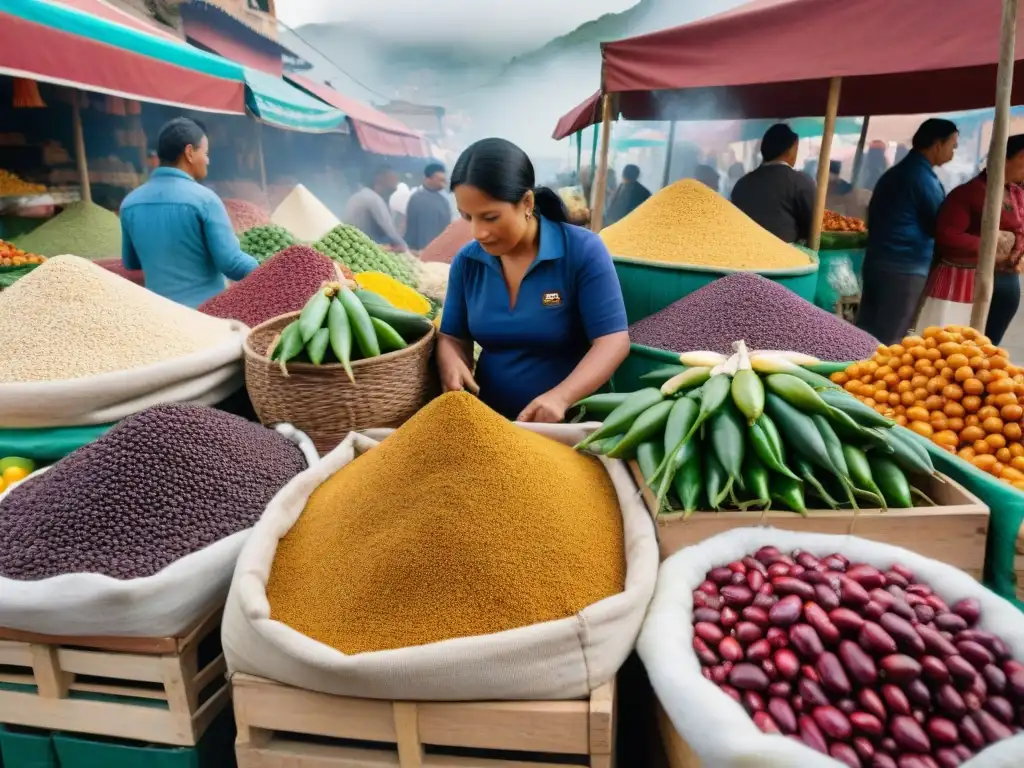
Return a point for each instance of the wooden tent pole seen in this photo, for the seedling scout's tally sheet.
(984, 276)
(668, 153)
(81, 162)
(831, 108)
(601, 177)
(858, 158)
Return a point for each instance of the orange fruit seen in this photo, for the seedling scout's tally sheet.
(852, 386)
(894, 398)
(971, 403)
(963, 373)
(992, 425)
(934, 355)
(917, 413)
(998, 469)
(839, 377)
(938, 421)
(897, 349)
(1017, 462)
(970, 434)
(985, 462)
(1016, 449)
(996, 441)
(921, 394)
(953, 409)
(999, 363)
(958, 360)
(1012, 431)
(1003, 456)
(981, 447)
(934, 402)
(956, 424)
(947, 373)
(901, 419)
(934, 386)
(946, 438)
(972, 420)
(913, 341)
(1011, 412)
(907, 398)
(905, 372)
(988, 412)
(869, 401)
(948, 348)
(972, 386)
(904, 386)
(951, 391)
(966, 453)
(922, 428)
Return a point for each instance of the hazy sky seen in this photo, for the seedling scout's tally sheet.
(512, 22)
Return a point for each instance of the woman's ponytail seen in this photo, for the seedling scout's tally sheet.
(550, 205)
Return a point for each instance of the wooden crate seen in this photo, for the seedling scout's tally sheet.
(953, 532)
(677, 752)
(284, 727)
(147, 689)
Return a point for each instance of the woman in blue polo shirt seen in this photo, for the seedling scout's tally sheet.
(539, 295)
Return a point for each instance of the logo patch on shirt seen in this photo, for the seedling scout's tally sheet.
(551, 299)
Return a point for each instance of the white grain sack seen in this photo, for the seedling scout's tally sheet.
(302, 214)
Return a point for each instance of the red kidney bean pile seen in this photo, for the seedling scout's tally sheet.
(870, 667)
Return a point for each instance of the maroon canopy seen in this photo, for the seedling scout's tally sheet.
(774, 58)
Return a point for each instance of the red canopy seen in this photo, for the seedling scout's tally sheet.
(586, 114)
(377, 132)
(774, 58)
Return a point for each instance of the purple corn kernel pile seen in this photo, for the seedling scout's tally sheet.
(162, 484)
(763, 313)
(868, 666)
(280, 285)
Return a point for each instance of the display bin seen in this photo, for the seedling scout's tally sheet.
(163, 690)
(650, 286)
(826, 297)
(953, 532)
(279, 725)
(26, 748)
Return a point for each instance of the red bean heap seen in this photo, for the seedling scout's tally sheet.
(869, 667)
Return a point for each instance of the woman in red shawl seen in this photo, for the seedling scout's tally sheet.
(957, 238)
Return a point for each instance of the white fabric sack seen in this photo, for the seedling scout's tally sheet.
(162, 605)
(716, 727)
(561, 659)
(941, 312)
(112, 396)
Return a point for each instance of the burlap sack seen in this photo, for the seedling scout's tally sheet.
(554, 660)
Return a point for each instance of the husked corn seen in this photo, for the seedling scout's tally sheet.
(460, 523)
(689, 223)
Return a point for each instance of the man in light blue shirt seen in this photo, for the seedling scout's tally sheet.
(176, 230)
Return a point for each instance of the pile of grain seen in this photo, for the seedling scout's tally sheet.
(459, 524)
(163, 483)
(444, 247)
(92, 321)
(689, 223)
(84, 229)
(761, 312)
(283, 284)
(245, 215)
(304, 215)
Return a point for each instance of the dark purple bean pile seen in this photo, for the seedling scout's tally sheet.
(871, 668)
(160, 485)
(763, 313)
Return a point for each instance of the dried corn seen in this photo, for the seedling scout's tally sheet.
(399, 295)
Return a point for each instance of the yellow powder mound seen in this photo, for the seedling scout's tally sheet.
(689, 223)
(459, 524)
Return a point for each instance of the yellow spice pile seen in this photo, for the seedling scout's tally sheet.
(458, 524)
(689, 223)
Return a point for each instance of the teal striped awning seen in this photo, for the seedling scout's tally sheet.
(275, 102)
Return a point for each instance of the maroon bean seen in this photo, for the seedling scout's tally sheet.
(912, 761)
(895, 700)
(816, 616)
(920, 589)
(730, 649)
(806, 559)
(806, 641)
(905, 572)
(995, 678)
(918, 715)
(865, 749)
(720, 575)
(950, 701)
(991, 728)
(708, 632)
(975, 653)
(950, 622)
(764, 601)
(705, 655)
(707, 614)
(812, 694)
(969, 609)
(881, 596)
(699, 599)
(1000, 707)
(706, 672)
(708, 588)
(737, 566)
(935, 643)
(808, 671)
(832, 722)
(858, 663)
(753, 564)
(902, 631)
(883, 761)
(814, 577)
(826, 597)
(765, 553)
(867, 576)
(899, 668)
(833, 676)
(765, 722)
(903, 610)
(835, 563)
(875, 640)
(873, 611)
(748, 677)
(846, 620)
(787, 663)
(719, 673)
(847, 706)
(769, 669)
(909, 735)
(934, 670)
(777, 569)
(778, 637)
(759, 651)
(798, 702)
(786, 611)
(891, 577)
(925, 613)
(871, 702)
(755, 580)
(937, 604)
(783, 713)
(729, 617)
(963, 752)
(918, 693)
(867, 723)
(845, 754)
(999, 649)
(889, 744)
(970, 733)
(960, 668)
(737, 596)
(753, 701)
(780, 688)
(852, 593)
(797, 571)
(1015, 678)
(748, 632)
(738, 578)
(915, 599)
(787, 585)
(732, 693)
(947, 758)
(811, 735)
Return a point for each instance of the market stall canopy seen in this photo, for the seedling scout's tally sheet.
(277, 103)
(377, 132)
(774, 59)
(583, 115)
(88, 44)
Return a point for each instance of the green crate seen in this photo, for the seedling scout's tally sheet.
(26, 748)
(649, 287)
(216, 749)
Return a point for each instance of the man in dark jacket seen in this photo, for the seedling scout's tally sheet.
(627, 196)
(429, 213)
(774, 194)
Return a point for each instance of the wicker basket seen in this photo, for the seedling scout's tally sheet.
(323, 403)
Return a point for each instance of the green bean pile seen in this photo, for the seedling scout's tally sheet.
(755, 430)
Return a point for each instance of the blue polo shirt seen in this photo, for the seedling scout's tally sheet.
(569, 296)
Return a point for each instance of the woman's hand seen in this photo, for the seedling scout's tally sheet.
(548, 408)
(456, 377)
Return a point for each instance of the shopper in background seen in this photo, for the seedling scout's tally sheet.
(734, 174)
(901, 231)
(429, 212)
(398, 203)
(707, 176)
(368, 210)
(775, 195)
(875, 165)
(958, 238)
(627, 196)
(176, 230)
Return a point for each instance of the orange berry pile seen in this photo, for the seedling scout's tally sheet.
(953, 386)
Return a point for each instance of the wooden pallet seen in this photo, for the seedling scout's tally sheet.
(953, 532)
(148, 689)
(284, 727)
